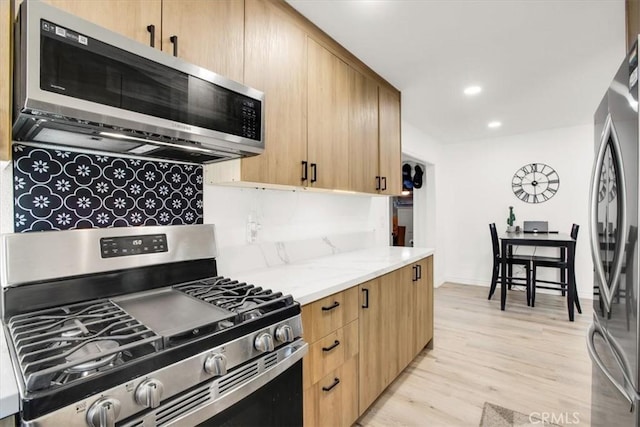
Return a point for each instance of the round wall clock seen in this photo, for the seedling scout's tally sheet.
(535, 183)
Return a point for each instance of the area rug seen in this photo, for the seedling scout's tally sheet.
(497, 416)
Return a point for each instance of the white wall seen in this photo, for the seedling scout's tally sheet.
(428, 209)
(478, 191)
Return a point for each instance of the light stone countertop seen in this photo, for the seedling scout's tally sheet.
(307, 281)
(311, 280)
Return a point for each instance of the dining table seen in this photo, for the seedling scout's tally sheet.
(563, 241)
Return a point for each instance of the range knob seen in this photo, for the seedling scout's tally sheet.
(103, 413)
(284, 333)
(216, 364)
(149, 393)
(264, 342)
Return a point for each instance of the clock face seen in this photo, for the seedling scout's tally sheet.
(535, 183)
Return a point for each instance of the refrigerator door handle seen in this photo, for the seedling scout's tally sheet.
(608, 289)
(593, 354)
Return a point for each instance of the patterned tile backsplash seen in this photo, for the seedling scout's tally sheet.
(61, 190)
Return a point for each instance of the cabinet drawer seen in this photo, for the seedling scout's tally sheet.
(329, 352)
(329, 314)
(333, 401)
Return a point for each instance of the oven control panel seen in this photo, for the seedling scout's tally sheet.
(133, 245)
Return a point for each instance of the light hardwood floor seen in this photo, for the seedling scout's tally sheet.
(526, 359)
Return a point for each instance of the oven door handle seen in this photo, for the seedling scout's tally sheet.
(293, 353)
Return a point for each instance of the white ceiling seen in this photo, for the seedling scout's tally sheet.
(542, 63)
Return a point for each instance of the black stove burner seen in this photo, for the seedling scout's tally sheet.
(60, 345)
(247, 301)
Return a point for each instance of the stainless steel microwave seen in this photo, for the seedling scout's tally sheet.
(80, 85)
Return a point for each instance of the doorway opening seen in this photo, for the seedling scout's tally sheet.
(403, 208)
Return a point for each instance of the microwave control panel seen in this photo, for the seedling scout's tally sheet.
(250, 119)
(132, 245)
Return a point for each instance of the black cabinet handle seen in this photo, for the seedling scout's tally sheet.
(366, 298)
(419, 271)
(332, 346)
(415, 273)
(384, 183)
(174, 40)
(304, 170)
(332, 306)
(314, 172)
(152, 38)
(377, 183)
(336, 381)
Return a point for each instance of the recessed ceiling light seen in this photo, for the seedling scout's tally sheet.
(472, 90)
(494, 124)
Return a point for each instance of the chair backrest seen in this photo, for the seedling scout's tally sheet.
(574, 231)
(535, 226)
(494, 240)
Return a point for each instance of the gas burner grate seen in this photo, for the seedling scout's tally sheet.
(60, 345)
(247, 301)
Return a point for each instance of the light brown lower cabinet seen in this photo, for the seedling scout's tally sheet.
(353, 358)
(333, 401)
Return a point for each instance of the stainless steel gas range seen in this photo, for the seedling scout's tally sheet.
(133, 327)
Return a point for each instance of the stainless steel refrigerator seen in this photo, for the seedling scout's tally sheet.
(613, 337)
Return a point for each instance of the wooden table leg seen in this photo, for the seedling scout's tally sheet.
(571, 288)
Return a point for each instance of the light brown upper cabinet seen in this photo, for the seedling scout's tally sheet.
(206, 33)
(363, 133)
(390, 149)
(5, 79)
(129, 18)
(632, 11)
(275, 63)
(328, 119)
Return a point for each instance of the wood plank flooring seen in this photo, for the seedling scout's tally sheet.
(532, 360)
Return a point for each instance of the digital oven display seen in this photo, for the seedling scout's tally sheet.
(133, 245)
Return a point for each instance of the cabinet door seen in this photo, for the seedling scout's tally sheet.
(209, 33)
(328, 119)
(5, 79)
(333, 401)
(381, 359)
(423, 328)
(363, 133)
(127, 17)
(276, 63)
(404, 286)
(373, 350)
(390, 148)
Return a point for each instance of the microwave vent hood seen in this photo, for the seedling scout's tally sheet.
(82, 86)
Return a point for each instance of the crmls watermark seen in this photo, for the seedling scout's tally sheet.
(563, 418)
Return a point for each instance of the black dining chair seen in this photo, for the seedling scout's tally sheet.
(510, 260)
(560, 263)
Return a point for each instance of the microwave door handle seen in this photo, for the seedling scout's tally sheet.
(174, 41)
(152, 35)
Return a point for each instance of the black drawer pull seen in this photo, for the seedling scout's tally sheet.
(377, 183)
(336, 381)
(314, 172)
(366, 298)
(304, 170)
(384, 183)
(332, 306)
(152, 35)
(415, 273)
(332, 346)
(419, 271)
